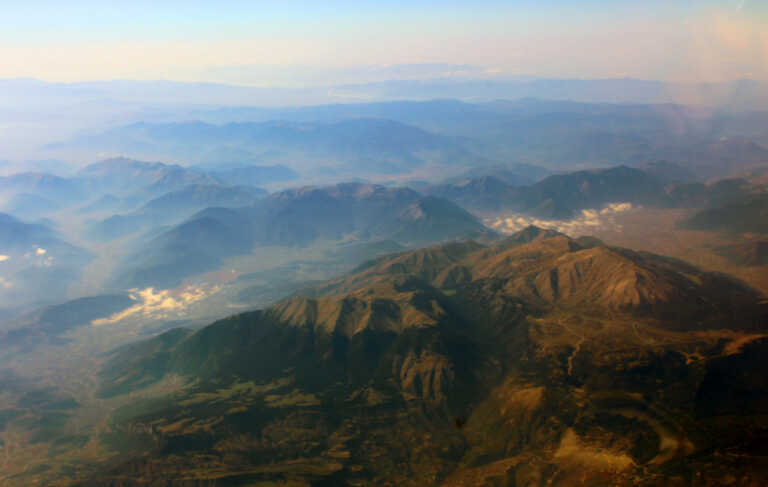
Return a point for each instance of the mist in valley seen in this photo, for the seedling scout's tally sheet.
(471, 256)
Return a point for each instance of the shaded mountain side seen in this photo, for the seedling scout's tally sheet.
(723, 192)
(109, 203)
(513, 174)
(558, 196)
(18, 235)
(482, 193)
(173, 207)
(21, 242)
(50, 322)
(749, 215)
(30, 205)
(147, 363)
(299, 217)
(195, 246)
(670, 172)
(722, 157)
(198, 195)
(563, 195)
(394, 375)
(55, 188)
(435, 219)
(122, 174)
(747, 254)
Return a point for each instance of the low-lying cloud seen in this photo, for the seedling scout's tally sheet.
(39, 257)
(584, 223)
(160, 304)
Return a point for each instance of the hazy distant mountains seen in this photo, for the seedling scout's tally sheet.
(297, 218)
(252, 175)
(120, 184)
(557, 196)
(49, 323)
(122, 175)
(456, 361)
(18, 236)
(398, 137)
(36, 264)
(122, 179)
(564, 134)
(48, 186)
(172, 207)
(742, 94)
(560, 196)
(374, 145)
(749, 214)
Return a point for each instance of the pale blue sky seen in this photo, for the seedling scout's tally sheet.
(201, 40)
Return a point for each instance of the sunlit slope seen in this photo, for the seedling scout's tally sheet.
(539, 358)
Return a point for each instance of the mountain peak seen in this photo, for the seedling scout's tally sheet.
(532, 233)
(547, 270)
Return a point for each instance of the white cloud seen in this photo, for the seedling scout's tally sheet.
(40, 257)
(160, 304)
(583, 223)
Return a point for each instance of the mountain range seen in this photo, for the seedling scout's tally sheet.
(563, 134)
(747, 214)
(297, 217)
(557, 196)
(120, 175)
(382, 146)
(395, 137)
(174, 206)
(462, 364)
(50, 323)
(36, 263)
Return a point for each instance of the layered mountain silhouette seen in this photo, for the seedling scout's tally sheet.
(123, 174)
(55, 188)
(37, 263)
(513, 174)
(556, 132)
(48, 324)
(173, 207)
(558, 196)
(110, 185)
(463, 364)
(382, 145)
(748, 214)
(298, 217)
(18, 237)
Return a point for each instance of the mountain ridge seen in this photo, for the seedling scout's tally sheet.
(400, 363)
